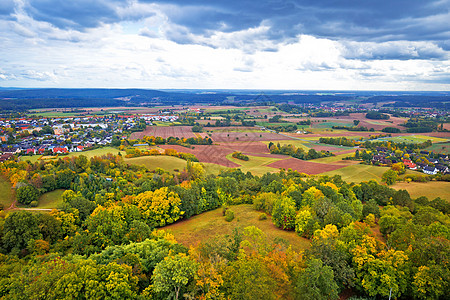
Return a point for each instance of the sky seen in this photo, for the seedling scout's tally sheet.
(226, 44)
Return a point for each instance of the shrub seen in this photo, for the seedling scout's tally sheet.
(27, 194)
(229, 215)
(262, 216)
(34, 203)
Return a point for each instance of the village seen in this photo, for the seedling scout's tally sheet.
(51, 136)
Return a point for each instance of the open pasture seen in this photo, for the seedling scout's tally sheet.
(430, 189)
(6, 193)
(414, 139)
(358, 173)
(443, 148)
(168, 163)
(211, 225)
(257, 165)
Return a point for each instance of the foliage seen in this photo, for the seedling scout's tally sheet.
(316, 282)
(389, 177)
(284, 213)
(27, 194)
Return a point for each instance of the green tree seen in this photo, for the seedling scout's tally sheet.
(389, 177)
(19, 228)
(173, 274)
(26, 194)
(284, 213)
(316, 282)
(249, 278)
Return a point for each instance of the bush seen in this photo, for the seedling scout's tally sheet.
(34, 203)
(262, 217)
(229, 215)
(27, 194)
(240, 156)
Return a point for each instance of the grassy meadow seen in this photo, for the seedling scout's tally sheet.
(256, 165)
(430, 189)
(51, 199)
(6, 193)
(212, 225)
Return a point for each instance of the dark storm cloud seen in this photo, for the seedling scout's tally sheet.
(355, 19)
(349, 19)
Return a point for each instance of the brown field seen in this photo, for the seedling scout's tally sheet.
(166, 131)
(328, 148)
(216, 154)
(305, 166)
(209, 154)
(246, 136)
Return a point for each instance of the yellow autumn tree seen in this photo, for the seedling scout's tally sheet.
(160, 207)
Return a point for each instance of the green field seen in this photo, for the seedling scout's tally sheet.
(212, 225)
(331, 159)
(168, 163)
(430, 189)
(440, 148)
(414, 139)
(6, 193)
(256, 165)
(213, 169)
(296, 143)
(330, 125)
(51, 199)
(359, 173)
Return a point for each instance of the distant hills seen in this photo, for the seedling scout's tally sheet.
(22, 99)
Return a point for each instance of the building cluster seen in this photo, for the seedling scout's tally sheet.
(425, 161)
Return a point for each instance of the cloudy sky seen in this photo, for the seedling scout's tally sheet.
(229, 44)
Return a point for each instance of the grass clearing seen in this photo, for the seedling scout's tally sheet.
(168, 163)
(6, 193)
(213, 169)
(358, 173)
(51, 199)
(256, 165)
(430, 189)
(212, 225)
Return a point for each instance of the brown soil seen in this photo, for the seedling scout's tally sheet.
(304, 166)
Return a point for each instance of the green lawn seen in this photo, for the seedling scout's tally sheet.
(430, 189)
(6, 193)
(256, 165)
(212, 225)
(51, 199)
